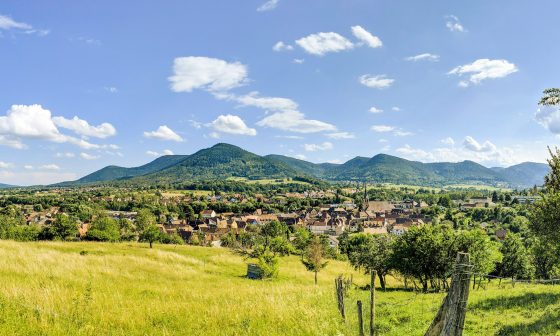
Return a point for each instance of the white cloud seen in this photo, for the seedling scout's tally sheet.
(300, 156)
(5, 165)
(164, 152)
(483, 69)
(111, 89)
(453, 24)
(195, 124)
(281, 46)
(298, 60)
(51, 166)
(423, 57)
(87, 156)
(318, 147)
(293, 137)
(267, 103)
(322, 43)
(382, 128)
(7, 23)
(471, 144)
(295, 121)
(366, 37)
(28, 167)
(164, 133)
(390, 129)
(206, 73)
(340, 135)
(232, 125)
(376, 81)
(414, 153)
(375, 110)
(549, 118)
(448, 141)
(83, 128)
(267, 6)
(396, 108)
(65, 155)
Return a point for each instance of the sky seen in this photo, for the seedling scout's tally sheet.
(89, 84)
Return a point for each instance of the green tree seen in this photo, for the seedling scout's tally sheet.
(103, 228)
(151, 234)
(372, 254)
(314, 256)
(516, 262)
(484, 254)
(145, 219)
(302, 238)
(62, 228)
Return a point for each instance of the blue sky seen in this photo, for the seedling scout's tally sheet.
(85, 85)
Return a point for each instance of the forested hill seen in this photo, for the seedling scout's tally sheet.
(224, 161)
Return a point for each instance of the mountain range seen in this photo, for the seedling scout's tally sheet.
(223, 161)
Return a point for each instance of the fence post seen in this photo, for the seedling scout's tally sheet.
(372, 304)
(450, 317)
(360, 319)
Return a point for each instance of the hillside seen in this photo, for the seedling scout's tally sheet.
(115, 172)
(218, 162)
(224, 161)
(4, 186)
(61, 288)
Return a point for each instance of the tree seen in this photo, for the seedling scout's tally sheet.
(552, 179)
(484, 254)
(425, 253)
(314, 256)
(372, 254)
(62, 228)
(515, 262)
(144, 219)
(151, 234)
(551, 97)
(103, 228)
(495, 197)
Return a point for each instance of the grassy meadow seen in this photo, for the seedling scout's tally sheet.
(51, 288)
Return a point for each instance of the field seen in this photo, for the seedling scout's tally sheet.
(51, 288)
(265, 181)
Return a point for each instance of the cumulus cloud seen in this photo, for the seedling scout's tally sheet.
(87, 156)
(206, 73)
(483, 69)
(318, 147)
(298, 60)
(164, 133)
(366, 37)
(232, 124)
(34, 122)
(375, 110)
(164, 152)
(415, 154)
(471, 144)
(26, 178)
(322, 43)
(83, 128)
(453, 24)
(281, 46)
(396, 108)
(423, 57)
(340, 135)
(300, 156)
(376, 81)
(5, 165)
(267, 6)
(549, 118)
(65, 155)
(295, 121)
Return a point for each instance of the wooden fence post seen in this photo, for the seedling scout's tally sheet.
(450, 318)
(360, 319)
(372, 304)
(340, 296)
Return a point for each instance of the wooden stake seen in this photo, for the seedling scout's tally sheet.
(360, 319)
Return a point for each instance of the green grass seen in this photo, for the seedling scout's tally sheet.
(51, 288)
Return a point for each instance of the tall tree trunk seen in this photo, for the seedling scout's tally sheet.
(381, 280)
(315, 277)
(150, 244)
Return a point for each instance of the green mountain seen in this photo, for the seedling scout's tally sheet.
(4, 186)
(219, 162)
(111, 173)
(223, 161)
(524, 174)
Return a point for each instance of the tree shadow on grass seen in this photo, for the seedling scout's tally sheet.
(548, 324)
(526, 301)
